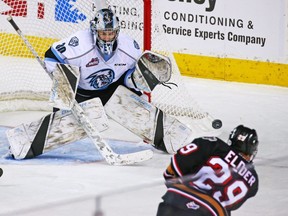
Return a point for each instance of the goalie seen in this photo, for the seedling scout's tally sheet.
(108, 59)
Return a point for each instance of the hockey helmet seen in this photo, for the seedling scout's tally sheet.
(244, 140)
(105, 28)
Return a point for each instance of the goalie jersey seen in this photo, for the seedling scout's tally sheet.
(95, 73)
(213, 167)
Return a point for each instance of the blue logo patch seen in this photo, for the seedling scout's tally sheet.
(101, 79)
(74, 42)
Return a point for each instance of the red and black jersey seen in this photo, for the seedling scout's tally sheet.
(213, 167)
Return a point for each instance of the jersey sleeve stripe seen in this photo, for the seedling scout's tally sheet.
(175, 166)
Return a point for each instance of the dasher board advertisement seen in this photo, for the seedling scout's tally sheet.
(255, 30)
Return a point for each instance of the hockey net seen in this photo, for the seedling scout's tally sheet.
(25, 86)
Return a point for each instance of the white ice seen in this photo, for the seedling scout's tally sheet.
(70, 182)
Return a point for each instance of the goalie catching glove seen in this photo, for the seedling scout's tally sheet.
(151, 69)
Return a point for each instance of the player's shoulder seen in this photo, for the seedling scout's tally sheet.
(129, 45)
(126, 40)
(211, 144)
(75, 44)
(82, 37)
(74, 40)
(209, 140)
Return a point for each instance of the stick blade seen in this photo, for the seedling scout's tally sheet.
(132, 158)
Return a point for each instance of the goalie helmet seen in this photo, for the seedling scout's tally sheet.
(244, 140)
(105, 29)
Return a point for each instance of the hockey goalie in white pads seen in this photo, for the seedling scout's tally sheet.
(146, 121)
(61, 128)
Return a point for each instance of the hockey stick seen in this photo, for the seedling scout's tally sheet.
(109, 155)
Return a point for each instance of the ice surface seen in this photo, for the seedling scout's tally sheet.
(73, 180)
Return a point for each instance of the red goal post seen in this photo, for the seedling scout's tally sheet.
(147, 24)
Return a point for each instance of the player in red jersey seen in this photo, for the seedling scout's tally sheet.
(210, 177)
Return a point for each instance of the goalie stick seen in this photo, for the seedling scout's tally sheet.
(109, 155)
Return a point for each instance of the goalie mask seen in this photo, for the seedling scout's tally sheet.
(105, 29)
(244, 140)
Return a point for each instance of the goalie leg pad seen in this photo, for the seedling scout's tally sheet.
(164, 132)
(64, 87)
(54, 130)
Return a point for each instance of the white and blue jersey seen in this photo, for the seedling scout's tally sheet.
(96, 74)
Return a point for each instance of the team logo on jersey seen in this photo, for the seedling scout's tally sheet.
(136, 45)
(74, 42)
(192, 205)
(101, 79)
(93, 62)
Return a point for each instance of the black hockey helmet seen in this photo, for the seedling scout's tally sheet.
(244, 140)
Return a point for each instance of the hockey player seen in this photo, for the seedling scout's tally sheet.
(106, 57)
(209, 177)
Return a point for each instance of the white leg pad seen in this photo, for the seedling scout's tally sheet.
(147, 121)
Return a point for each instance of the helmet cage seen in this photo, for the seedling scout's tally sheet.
(105, 20)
